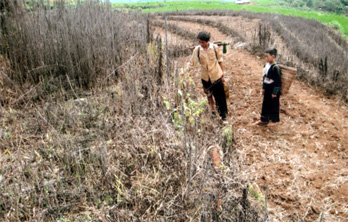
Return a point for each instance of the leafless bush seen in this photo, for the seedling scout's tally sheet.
(82, 42)
(111, 153)
(262, 40)
(117, 155)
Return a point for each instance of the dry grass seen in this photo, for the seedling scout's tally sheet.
(114, 156)
(81, 42)
(127, 147)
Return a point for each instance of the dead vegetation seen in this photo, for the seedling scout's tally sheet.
(79, 42)
(123, 142)
(100, 124)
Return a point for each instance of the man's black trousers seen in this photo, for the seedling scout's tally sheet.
(217, 90)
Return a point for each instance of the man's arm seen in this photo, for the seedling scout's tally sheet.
(220, 60)
(194, 59)
(222, 67)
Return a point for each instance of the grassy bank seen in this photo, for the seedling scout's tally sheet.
(340, 22)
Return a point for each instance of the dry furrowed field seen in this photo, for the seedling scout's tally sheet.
(303, 160)
(101, 121)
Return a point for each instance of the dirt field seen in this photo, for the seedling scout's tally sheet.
(304, 159)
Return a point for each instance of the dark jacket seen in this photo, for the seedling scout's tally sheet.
(274, 73)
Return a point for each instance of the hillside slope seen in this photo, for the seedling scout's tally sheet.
(304, 159)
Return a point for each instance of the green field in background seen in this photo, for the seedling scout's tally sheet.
(340, 21)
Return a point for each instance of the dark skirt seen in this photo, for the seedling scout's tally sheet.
(270, 107)
(217, 90)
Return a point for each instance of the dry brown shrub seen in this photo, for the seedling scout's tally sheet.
(112, 152)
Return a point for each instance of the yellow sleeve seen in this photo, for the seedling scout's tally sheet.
(218, 54)
(194, 58)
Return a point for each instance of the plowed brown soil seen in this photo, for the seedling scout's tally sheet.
(304, 160)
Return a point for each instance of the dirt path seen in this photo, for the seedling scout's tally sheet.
(304, 159)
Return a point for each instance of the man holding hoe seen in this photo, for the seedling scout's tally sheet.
(209, 56)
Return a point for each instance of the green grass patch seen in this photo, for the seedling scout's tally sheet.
(265, 2)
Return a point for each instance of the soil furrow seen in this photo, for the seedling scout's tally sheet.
(304, 159)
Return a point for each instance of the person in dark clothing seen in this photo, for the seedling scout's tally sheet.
(271, 90)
